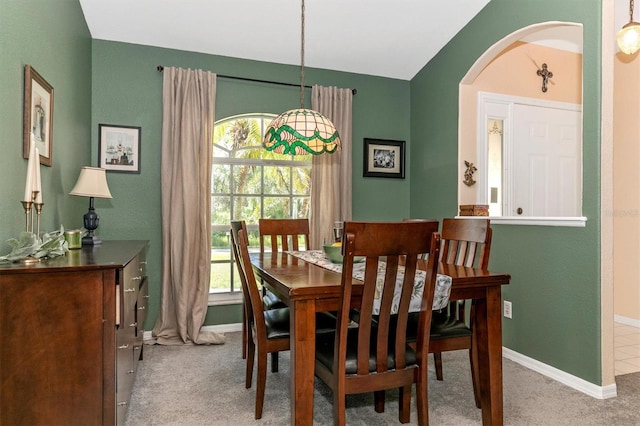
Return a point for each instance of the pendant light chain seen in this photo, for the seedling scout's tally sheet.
(301, 131)
(302, 58)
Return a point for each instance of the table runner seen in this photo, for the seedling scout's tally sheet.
(441, 294)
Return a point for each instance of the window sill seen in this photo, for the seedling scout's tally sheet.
(219, 299)
(574, 222)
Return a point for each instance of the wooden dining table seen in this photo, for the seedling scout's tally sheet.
(307, 288)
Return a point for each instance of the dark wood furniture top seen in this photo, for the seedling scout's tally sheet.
(59, 323)
(307, 288)
(108, 255)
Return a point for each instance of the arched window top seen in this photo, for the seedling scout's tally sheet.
(241, 136)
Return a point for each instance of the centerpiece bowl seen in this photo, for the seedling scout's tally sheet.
(333, 252)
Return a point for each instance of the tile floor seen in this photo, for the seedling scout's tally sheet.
(627, 343)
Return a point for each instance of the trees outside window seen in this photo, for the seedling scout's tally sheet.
(247, 183)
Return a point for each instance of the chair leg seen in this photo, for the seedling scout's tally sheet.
(339, 408)
(437, 359)
(473, 360)
(244, 334)
(404, 414)
(422, 398)
(274, 362)
(251, 349)
(261, 382)
(379, 401)
(475, 375)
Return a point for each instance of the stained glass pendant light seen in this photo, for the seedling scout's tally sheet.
(301, 131)
(629, 36)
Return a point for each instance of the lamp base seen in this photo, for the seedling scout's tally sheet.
(91, 240)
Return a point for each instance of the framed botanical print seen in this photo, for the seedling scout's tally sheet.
(38, 115)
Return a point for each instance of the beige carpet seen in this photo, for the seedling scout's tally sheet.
(204, 385)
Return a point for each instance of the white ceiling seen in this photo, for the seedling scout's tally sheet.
(387, 38)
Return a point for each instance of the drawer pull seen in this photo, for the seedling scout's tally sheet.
(141, 308)
(144, 262)
(138, 278)
(123, 346)
(122, 404)
(131, 371)
(129, 290)
(146, 296)
(136, 348)
(133, 324)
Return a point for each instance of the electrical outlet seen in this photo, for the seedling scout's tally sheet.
(507, 309)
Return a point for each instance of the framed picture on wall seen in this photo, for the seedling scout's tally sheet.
(383, 158)
(119, 148)
(38, 115)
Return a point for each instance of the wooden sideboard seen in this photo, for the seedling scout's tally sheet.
(71, 332)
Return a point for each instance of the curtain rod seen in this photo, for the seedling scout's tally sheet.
(160, 68)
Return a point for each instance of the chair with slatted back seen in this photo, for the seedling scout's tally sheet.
(236, 226)
(276, 230)
(268, 330)
(375, 355)
(465, 242)
(283, 235)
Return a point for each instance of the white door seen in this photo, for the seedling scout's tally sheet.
(547, 158)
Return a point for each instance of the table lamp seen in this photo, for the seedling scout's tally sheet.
(91, 183)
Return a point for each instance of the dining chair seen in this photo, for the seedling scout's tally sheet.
(282, 235)
(465, 242)
(268, 330)
(275, 229)
(375, 355)
(236, 226)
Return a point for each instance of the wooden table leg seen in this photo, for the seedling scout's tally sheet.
(488, 330)
(303, 347)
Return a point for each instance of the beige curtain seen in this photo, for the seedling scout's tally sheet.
(188, 103)
(331, 173)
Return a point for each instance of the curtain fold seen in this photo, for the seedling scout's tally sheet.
(331, 173)
(187, 129)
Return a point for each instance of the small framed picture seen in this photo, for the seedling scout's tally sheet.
(383, 158)
(119, 148)
(38, 115)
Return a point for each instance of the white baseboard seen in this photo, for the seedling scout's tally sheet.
(600, 392)
(626, 320)
(222, 328)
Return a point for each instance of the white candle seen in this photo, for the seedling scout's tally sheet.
(28, 188)
(38, 184)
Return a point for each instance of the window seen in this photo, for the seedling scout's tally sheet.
(247, 183)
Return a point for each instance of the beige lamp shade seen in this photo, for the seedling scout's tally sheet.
(92, 182)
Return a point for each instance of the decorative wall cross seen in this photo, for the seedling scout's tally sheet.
(546, 75)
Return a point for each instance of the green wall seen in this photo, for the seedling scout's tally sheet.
(555, 286)
(53, 38)
(127, 90)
